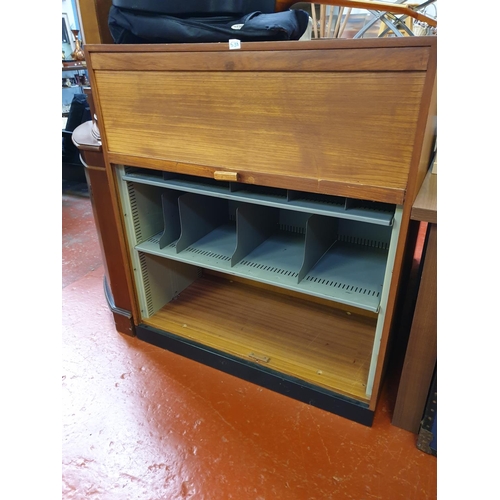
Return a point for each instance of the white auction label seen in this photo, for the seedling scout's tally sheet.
(234, 44)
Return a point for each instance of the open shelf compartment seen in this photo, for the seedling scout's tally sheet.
(179, 238)
(323, 256)
(313, 342)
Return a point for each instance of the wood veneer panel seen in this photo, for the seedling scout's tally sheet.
(315, 343)
(376, 59)
(288, 45)
(298, 124)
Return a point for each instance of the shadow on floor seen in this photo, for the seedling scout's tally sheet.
(75, 188)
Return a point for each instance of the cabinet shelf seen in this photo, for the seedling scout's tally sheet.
(323, 256)
(334, 206)
(318, 344)
(347, 274)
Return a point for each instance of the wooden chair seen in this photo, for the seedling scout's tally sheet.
(393, 8)
(396, 19)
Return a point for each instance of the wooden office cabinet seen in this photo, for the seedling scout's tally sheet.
(263, 198)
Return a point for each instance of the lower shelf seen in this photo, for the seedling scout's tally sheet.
(322, 347)
(275, 381)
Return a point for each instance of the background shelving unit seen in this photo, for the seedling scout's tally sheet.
(69, 92)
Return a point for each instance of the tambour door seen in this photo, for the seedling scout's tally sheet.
(337, 119)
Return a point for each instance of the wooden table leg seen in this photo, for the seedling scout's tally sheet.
(421, 353)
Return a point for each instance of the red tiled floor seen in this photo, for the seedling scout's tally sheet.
(81, 251)
(142, 423)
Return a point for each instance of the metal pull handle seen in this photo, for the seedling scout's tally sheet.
(225, 176)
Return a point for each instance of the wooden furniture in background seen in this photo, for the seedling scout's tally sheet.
(392, 8)
(94, 18)
(118, 293)
(421, 353)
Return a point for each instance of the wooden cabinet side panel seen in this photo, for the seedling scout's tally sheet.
(422, 147)
(306, 125)
(109, 237)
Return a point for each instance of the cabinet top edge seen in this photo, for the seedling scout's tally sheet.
(333, 44)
